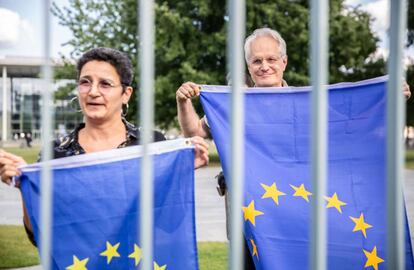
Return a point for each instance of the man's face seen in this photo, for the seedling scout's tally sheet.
(266, 64)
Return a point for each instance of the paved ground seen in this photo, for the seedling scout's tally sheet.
(210, 210)
(210, 213)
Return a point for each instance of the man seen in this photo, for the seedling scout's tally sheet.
(266, 58)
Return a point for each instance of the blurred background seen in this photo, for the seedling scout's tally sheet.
(190, 46)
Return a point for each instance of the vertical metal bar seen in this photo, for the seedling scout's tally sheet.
(21, 116)
(4, 107)
(47, 126)
(146, 67)
(236, 33)
(395, 147)
(319, 64)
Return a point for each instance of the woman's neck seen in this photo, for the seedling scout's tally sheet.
(102, 136)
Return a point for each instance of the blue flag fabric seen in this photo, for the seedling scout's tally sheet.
(95, 214)
(278, 189)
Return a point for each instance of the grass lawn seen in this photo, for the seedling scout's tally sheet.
(17, 251)
(28, 154)
(212, 255)
(15, 248)
(213, 155)
(409, 159)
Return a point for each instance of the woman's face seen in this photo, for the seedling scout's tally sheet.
(100, 92)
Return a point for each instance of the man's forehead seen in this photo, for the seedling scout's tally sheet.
(265, 53)
(260, 53)
(264, 45)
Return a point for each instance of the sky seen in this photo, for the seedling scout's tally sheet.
(379, 9)
(21, 31)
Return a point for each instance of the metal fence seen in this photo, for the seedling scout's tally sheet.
(318, 68)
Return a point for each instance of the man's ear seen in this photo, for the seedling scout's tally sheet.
(285, 61)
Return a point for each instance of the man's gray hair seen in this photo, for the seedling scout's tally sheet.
(262, 32)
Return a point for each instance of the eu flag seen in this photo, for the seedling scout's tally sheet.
(278, 189)
(95, 214)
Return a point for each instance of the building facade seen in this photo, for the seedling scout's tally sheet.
(21, 100)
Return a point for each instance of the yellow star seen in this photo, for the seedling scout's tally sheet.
(254, 249)
(334, 202)
(77, 264)
(157, 267)
(110, 252)
(301, 192)
(372, 258)
(272, 192)
(360, 225)
(136, 254)
(250, 213)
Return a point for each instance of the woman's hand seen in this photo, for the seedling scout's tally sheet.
(9, 164)
(201, 152)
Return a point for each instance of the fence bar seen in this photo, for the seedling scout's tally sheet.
(47, 127)
(318, 71)
(395, 147)
(236, 33)
(146, 67)
(4, 107)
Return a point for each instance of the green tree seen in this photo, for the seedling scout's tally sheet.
(351, 39)
(191, 40)
(410, 23)
(65, 71)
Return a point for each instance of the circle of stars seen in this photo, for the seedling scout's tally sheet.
(250, 214)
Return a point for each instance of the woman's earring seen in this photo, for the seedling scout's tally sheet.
(124, 112)
(74, 104)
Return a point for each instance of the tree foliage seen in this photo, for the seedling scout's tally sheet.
(66, 70)
(410, 23)
(191, 40)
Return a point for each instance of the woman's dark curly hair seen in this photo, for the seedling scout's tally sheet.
(117, 59)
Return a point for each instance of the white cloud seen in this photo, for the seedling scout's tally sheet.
(380, 11)
(353, 2)
(381, 53)
(13, 28)
(9, 32)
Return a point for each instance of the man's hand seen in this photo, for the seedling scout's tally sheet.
(190, 123)
(9, 164)
(187, 91)
(406, 90)
(201, 152)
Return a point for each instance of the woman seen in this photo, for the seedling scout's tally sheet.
(104, 88)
